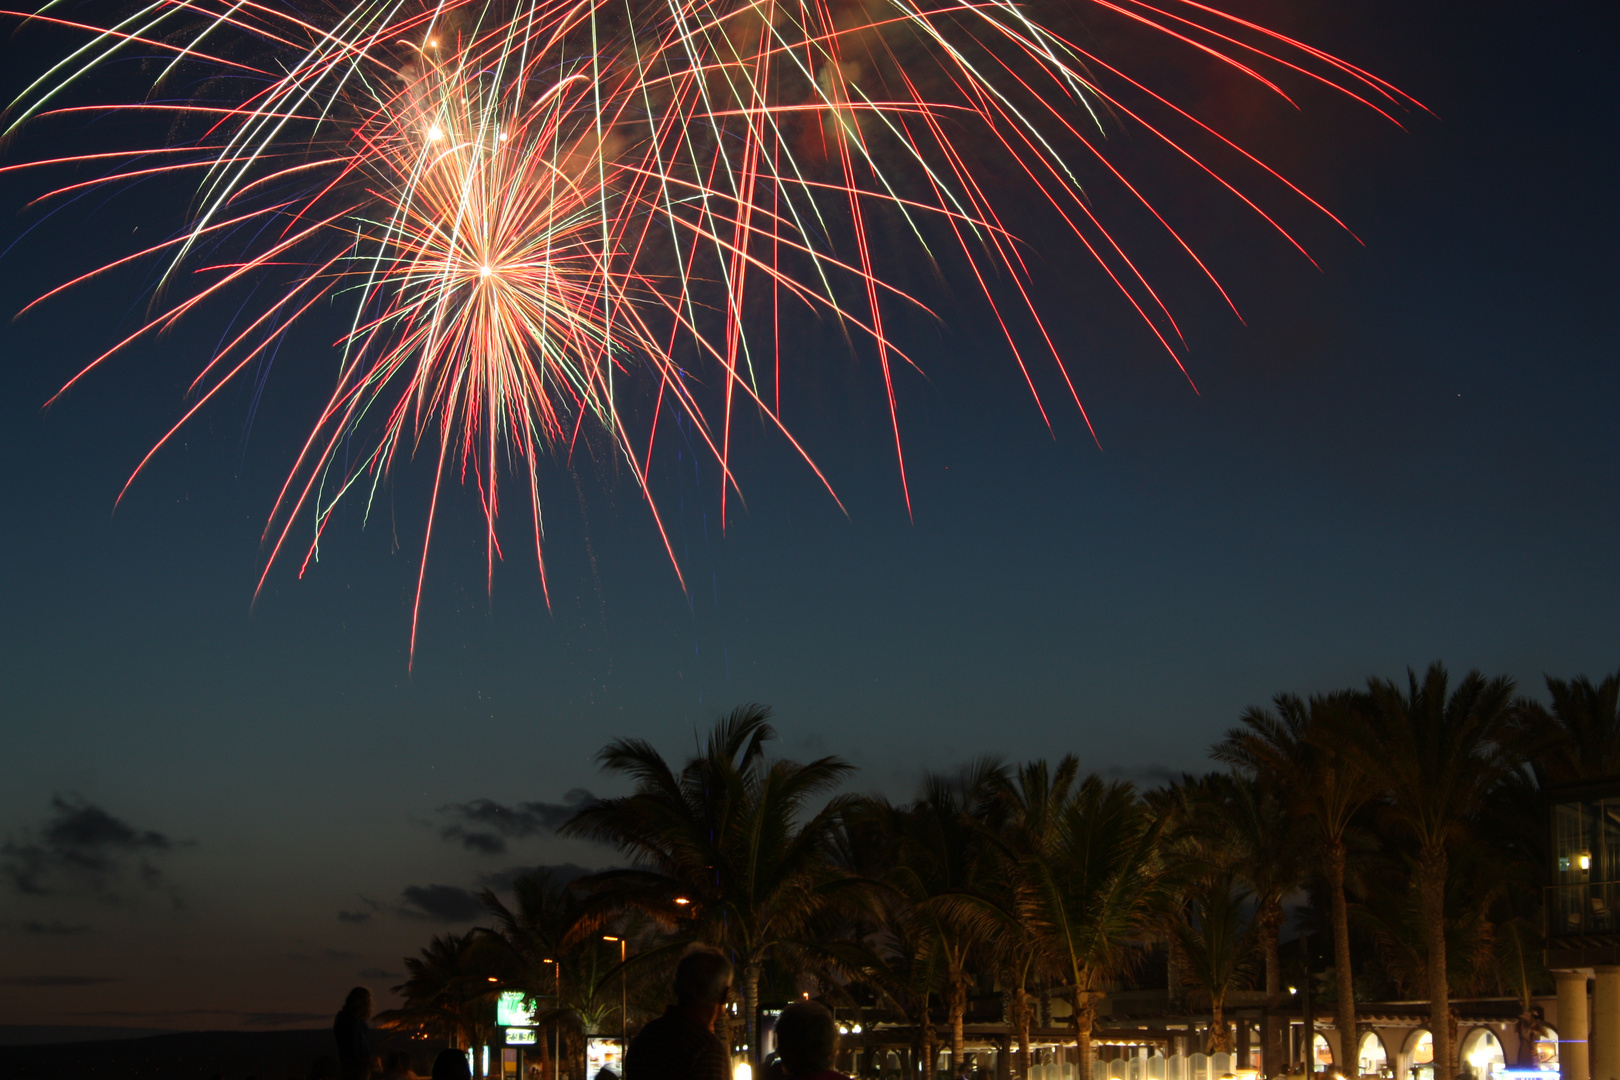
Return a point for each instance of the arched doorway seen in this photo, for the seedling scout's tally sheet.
(1372, 1059)
(1482, 1053)
(1418, 1055)
(1322, 1054)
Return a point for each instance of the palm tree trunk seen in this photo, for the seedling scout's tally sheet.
(543, 1050)
(1344, 1013)
(1021, 1012)
(930, 1048)
(1174, 973)
(751, 1007)
(1271, 919)
(958, 1010)
(722, 1031)
(1220, 1040)
(1085, 1018)
(1432, 869)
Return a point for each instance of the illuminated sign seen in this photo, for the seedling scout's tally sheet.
(602, 1054)
(513, 1010)
(520, 1036)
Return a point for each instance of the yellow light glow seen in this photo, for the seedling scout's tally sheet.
(742, 1071)
(1585, 861)
(483, 271)
(435, 133)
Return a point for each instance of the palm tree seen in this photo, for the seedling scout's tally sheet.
(548, 946)
(1304, 748)
(1393, 916)
(731, 834)
(1081, 854)
(1579, 739)
(1246, 827)
(448, 992)
(941, 862)
(1217, 943)
(1439, 753)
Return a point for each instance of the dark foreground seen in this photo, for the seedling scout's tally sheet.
(194, 1055)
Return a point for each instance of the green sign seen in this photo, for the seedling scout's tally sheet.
(514, 1010)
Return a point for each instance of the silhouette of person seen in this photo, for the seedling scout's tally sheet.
(681, 1044)
(349, 1028)
(451, 1065)
(807, 1042)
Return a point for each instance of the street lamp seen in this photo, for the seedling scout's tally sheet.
(624, 1017)
(556, 993)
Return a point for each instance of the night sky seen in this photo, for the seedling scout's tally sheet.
(215, 814)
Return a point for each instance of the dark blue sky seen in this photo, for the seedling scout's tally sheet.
(1410, 455)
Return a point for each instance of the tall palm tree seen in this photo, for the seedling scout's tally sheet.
(1247, 828)
(1217, 942)
(1579, 738)
(941, 858)
(1305, 748)
(1392, 914)
(1081, 854)
(732, 834)
(1439, 752)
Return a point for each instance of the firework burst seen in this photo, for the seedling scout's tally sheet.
(541, 211)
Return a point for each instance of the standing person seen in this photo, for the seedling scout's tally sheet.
(681, 1044)
(451, 1065)
(807, 1042)
(349, 1028)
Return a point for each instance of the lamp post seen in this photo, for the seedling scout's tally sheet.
(556, 993)
(624, 1018)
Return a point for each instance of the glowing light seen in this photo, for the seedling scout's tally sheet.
(502, 136)
(1585, 861)
(742, 1071)
(435, 133)
(484, 271)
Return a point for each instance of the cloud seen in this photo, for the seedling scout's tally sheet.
(56, 980)
(364, 913)
(54, 928)
(83, 848)
(484, 825)
(441, 903)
